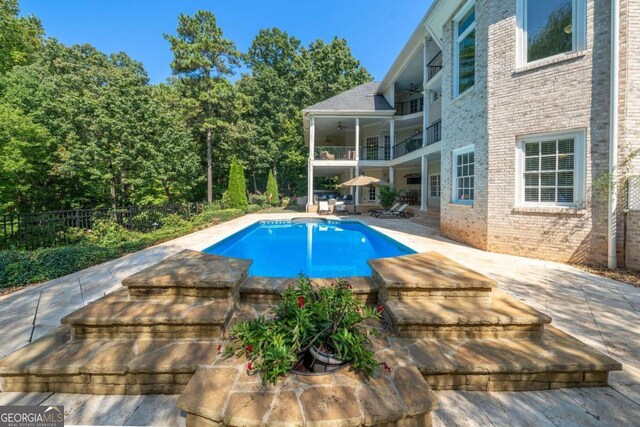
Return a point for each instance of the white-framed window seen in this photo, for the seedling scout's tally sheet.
(549, 28)
(463, 179)
(371, 144)
(416, 105)
(387, 147)
(434, 185)
(551, 169)
(464, 50)
(372, 193)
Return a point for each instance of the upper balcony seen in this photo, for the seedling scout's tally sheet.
(434, 66)
(431, 135)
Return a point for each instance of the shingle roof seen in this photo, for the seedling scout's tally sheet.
(361, 98)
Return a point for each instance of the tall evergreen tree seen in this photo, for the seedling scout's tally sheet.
(272, 190)
(203, 57)
(237, 191)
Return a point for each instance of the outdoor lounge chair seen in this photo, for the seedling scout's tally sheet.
(323, 208)
(399, 212)
(380, 211)
(341, 209)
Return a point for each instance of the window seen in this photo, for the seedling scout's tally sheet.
(372, 148)
(549, 28)
(465, 49)
(414, 180)
(551, 170)
(416, 105)
(387, 147)
(463, 175)
(434, 185)
(372, 193)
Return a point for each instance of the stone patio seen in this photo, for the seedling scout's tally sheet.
(541, 284)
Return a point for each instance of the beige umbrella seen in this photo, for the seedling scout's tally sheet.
(363, 181)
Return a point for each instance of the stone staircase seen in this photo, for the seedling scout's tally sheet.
(464, 334)
(149, 337)
(431, 218)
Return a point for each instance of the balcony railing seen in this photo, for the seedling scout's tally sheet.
(375, 153)
(335, 152)
(410, 107)
(434, 66)
(434, 133)
(410, 144)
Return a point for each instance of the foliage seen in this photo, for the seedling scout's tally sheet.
(20, 37)
(257, 199)
(328, 317)
(555, 37)
(237, 191)
(284, 201)
(387, 196)
(253, 208)
(272, 190)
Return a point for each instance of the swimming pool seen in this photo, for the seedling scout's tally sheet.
(315, 248)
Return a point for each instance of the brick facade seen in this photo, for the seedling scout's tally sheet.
(508, 103)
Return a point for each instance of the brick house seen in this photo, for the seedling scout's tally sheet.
(495, 118)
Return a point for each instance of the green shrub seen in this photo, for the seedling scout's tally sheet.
(257, 199)
(109, 233)
(387, 196)
(253, 208)
(174, 222)
(237, 191)
(284, 202)
(272, 190)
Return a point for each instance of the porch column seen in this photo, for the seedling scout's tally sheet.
(312, 137)
(312, 143)
(351, 189)
(391, 175)
(357, 201)
(392, 136)
(424, 184)
(425, 94)
(310, 186)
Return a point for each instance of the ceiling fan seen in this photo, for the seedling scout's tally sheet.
(413, 89)
(341, 126)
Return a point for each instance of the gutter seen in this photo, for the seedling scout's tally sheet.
(612, 260)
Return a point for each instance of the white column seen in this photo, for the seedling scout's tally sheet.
(357, 201)
(310, 186)
(424, 184)
(312, 143)
(425, 94)
(392, 135)
(391, 175)
(351, 189)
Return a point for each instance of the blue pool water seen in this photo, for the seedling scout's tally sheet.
(316, 249)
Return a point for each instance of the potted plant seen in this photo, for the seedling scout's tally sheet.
(387, 196)
(316, 329)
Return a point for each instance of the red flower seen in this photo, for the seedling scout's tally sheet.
(386, 367)
(219, 348)
(249, 349)
(249, 366)
(379, 308)
(300, 302)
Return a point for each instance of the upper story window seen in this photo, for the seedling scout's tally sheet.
(551, 170)
(416, 105)
(464, 48)
(549, 28)
(463, 181)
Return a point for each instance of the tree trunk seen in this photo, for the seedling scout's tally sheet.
(167, 193)
(209, 168)
(255, 184)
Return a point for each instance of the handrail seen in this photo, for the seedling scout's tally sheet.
(408, 145)
(434, 132)
(434, 66)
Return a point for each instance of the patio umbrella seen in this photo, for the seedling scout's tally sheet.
(362, 181)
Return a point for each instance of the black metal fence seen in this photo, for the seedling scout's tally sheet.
(54, 228)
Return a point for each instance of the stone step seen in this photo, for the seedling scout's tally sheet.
(267, 290)
(556, 360)
(58, 364)
(192, 274)
(427, 275)
(502, 316)
(119, 316)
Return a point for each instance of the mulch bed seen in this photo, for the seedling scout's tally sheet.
(631, 277)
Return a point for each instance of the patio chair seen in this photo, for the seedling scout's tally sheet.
(399, 212)
(341, 209)
(324, 209)
(380, 211)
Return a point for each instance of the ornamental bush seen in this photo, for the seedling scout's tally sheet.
(272, 190)
(237, 191)
(387, 196)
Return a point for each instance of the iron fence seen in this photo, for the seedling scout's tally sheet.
(55, 228)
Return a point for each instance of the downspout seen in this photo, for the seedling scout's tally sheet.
(612, 261)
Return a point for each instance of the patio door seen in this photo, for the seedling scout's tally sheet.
(371, 144)
(387, 148)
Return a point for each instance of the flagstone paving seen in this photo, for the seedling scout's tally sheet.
(600, 312)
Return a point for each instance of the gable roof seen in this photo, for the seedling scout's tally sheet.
(363, 98)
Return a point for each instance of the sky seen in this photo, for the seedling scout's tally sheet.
(376, 30)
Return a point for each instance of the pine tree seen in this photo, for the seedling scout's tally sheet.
(272, 190)
(237, 191)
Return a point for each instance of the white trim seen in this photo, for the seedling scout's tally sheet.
(433, 175)
(456, 43)
(454, 172)
(579, 34)
(579, 165)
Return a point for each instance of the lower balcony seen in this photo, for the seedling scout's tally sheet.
(335, 152)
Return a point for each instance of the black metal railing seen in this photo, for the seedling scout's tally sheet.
(434, 132)
(335, 152)
(410, 144)
(410, 107)
(434, 66)
(55, 228)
